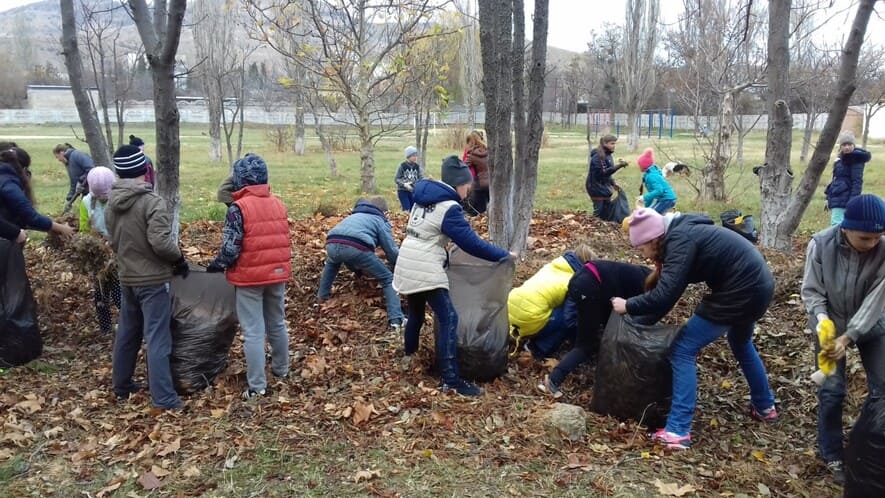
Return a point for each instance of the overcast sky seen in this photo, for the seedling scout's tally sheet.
(571, 20)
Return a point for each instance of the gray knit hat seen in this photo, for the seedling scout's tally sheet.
(411, 151)
(846, 137)
(455, 173)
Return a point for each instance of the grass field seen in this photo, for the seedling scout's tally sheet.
(305, 185)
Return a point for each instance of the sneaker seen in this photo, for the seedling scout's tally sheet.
(671, 441)
(548, 387)
(124, 395)
(251, 394)
(768, 415)
(835, 468)
(462, 387)
(399, 326)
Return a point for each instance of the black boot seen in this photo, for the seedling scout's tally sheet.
(447, 359)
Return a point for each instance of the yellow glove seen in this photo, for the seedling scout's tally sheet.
(826, 336)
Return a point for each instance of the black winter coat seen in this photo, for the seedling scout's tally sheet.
(599, 181)
(696, 250)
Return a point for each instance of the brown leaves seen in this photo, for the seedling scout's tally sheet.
(673, 489)
(149, 481)
(170, 448)
(315, 365)
(362, 412)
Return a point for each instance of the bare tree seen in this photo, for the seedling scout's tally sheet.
(604, 51)
(88, 117)
(352, 46)
(871, 87)
(471, 66)
(637, 69)
(513, 177)
(216, 47)
(782, 208)
(160, 32)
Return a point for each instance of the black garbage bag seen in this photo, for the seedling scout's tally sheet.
(865, 453)
(20, 340)
(204, 323)
(617, 209)
(479, 290)
(633, 376)
(744, 225)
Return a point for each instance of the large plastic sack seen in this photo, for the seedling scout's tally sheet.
(617, 209)
(633, 375)
(479, 290)
(204, 324)
(744, 225)
(20, 340)
(865, 453)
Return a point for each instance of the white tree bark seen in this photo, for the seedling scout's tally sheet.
(637, 69)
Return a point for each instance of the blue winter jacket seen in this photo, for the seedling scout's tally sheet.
(367, 226)
(695, 250)
(79, 164)
(847, 178)
(15, 205)
(454, 225)
(599, 178)
(658, 187)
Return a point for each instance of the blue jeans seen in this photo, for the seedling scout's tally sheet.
(406, 199)
(697, 333)
(262, 311)
(836, 216)
(446, 338)
(357, 260)
(548, 339)
(831, 394)
(662, 205)
(145, 313)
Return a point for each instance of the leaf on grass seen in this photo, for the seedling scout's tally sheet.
(159, 471)
(759, 455)
(366, 475)
(216, 412)
(442, 419)
(192, 471)
(673, 489)
(576, 461)
(6, 454)
(170, 448)
(362, 412)
(149, 481)
(763, 489)
(726, 384)
(55, 431)
(32, 404)
(111, 487)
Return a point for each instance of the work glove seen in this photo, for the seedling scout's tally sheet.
(826, 336)
(621, 164)
(214, 267)
(181, 268)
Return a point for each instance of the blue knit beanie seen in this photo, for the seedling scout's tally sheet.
(865, 213)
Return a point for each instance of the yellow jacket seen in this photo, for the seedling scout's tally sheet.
(530, 305)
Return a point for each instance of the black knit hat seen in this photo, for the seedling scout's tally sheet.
(133, 140)
(454, 172)
(129, 162)
(865, 213)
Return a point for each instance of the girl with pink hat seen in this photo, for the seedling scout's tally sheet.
(106, 288)
(689, 248)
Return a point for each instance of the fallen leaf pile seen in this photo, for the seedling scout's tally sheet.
(366, 419)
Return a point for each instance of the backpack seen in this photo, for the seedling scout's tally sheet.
(744, 225)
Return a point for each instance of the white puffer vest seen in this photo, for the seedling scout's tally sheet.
(421, 264)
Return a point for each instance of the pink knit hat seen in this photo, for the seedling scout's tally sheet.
(646, 159)
(645, 226)
(100, 180)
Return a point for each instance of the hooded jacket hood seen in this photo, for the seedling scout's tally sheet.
(125, 193)
(249, 170)
(364, 206)
(429, 192)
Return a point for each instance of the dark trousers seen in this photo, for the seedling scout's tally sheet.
(556, 331)
(831, 394)
(477, 202)
(406, 199)
(447, 336)
(105, 293)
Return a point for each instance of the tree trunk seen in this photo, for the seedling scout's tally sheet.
(167, 129)
(867, 117)
(779, 224)
(714, 172)
(73, 62)
(427, 116)
(807, 131)
(216, 108)
(632, 131)
(496, 41)
(299, 115)
(367, 154)
(324, 142)
(525, 176)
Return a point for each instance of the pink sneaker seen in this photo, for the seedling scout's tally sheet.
(671, 441)
(768, 415)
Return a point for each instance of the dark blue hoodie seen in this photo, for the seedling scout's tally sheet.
(15, 205)
(455, 226)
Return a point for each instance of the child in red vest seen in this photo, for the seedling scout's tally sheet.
(256, 255)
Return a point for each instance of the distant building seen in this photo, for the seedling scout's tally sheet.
(55, 97)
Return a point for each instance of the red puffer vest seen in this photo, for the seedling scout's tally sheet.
(266, 254)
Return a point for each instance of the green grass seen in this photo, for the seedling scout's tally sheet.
(305, 185)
